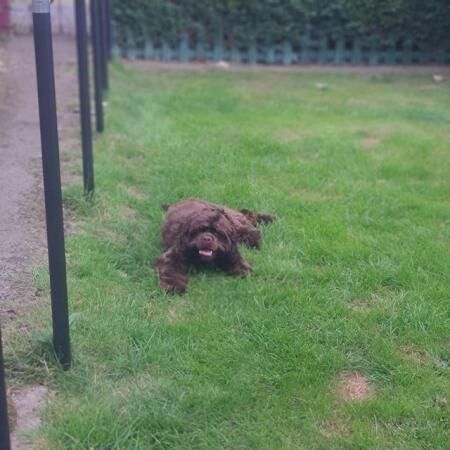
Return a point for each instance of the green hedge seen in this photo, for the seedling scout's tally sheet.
(424, 22)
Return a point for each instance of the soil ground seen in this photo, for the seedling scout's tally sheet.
(22, 223)
(308, 68)
(22, 219)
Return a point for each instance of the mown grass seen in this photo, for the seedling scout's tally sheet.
(353, 278)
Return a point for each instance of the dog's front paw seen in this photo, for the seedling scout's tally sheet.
(172, 272)
(173, 288)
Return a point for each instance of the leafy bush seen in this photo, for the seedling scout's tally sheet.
(273, 21)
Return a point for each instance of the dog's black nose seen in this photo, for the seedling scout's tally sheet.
(207, 238)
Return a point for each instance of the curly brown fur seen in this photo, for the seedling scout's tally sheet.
(197, 232)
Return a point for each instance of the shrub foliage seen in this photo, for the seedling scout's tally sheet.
(273, 21)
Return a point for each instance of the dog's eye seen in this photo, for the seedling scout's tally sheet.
(200, 230)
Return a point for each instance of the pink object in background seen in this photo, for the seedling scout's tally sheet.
(4, 15)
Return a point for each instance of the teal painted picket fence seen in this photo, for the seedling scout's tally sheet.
(305, 50)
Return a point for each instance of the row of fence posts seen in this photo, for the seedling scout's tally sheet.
(101, 44)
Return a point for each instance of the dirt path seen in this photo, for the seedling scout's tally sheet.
(22, 226)
(156, 66)
(22, 222)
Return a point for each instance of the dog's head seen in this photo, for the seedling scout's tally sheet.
(208, 236)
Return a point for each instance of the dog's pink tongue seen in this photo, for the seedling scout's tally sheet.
(205, 252)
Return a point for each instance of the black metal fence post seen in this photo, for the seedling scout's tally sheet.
(104, 42)
(52, 179)
(108, 29)
(85, 108)
(96, 46)
(4, 425)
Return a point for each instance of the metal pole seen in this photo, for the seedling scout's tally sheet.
(104, 42)
(108, 29)
(4, 424)
(96, 44)
(52, 179)
(85, 108)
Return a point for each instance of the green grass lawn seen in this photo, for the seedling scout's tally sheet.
(340, 337)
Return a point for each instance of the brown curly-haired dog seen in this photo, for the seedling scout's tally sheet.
(197, 232)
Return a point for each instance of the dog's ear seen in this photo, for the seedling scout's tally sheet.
(182, 237)
(224, 225)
